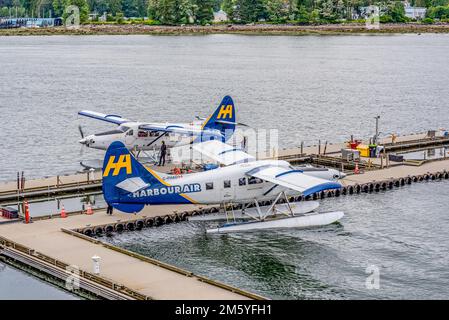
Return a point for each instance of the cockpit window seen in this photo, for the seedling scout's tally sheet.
(123, 128)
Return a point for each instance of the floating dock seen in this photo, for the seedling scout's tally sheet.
(51, 246)
(54, 247)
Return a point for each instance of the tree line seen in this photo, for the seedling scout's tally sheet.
(238, 11)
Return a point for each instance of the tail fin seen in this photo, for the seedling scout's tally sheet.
(120, 165)
(223, 119)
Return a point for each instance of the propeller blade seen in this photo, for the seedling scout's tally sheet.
(81, 131)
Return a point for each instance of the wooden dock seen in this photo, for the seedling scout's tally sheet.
(141, 277)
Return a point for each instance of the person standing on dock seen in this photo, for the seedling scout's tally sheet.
(109, 210)
(163, 153)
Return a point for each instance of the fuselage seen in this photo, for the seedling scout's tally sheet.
(137, 139)
(225, 184)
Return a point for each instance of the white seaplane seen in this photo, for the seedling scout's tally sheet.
(145, 136)
(128, 186)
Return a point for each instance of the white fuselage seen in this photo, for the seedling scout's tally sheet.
(140, 140)
(223, 185)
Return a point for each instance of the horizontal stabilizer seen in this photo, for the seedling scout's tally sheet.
(132, 184)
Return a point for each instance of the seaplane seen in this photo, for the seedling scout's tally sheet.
(240, 179)
(145, 136)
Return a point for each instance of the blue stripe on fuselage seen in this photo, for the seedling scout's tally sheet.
(164, 194)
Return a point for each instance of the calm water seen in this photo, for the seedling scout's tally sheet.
(15, 284)
(403, 233)
(309, 88)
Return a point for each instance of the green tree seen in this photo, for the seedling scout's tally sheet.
(58, 7)
(397, 12)
(134, 8)
(250, 10)
(228, 6)
(171, 11)
(440, 12)
(277, 10)
(439, 3)
(4, 11)
(114, 6)
(204, 11)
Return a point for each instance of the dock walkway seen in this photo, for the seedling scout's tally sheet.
(149, 279)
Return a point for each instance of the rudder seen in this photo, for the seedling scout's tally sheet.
(119, 164)
(223, 119)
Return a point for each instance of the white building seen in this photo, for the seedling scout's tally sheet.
(416, 13)
(220, 16)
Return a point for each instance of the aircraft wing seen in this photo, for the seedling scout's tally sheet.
(292, 179)
(112, 118)
(222, 152)
(171, 129)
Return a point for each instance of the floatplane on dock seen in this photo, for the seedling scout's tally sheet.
(129, 186)
(148, 136)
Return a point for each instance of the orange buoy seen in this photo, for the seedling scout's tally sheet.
(356, 169)
(63, 213)
(27, 212)
(89, 210)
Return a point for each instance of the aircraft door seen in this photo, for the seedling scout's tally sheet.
(227, 190)
(130, 138)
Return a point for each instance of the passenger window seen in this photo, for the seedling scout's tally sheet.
(130, 133)
(242, 182)
(209, 186)
(254, 180)
(143, 134)
(227, 183)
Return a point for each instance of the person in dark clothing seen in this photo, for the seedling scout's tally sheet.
(109, 210)
(163, 153)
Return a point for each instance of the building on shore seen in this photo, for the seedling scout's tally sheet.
(415, 13)
(220, 16)
(30, 23)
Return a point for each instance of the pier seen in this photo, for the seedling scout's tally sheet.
(54, 247)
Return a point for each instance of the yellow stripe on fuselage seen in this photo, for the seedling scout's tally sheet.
(168, 185)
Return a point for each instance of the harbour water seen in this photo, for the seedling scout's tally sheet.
(400, 235)
(308, 87)
(17, 285)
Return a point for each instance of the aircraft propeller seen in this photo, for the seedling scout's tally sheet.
(81, 131)
(82, 141)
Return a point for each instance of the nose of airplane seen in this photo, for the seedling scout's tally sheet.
(87, 140)
(342, 175)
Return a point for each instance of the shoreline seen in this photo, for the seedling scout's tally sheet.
(257, 29)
